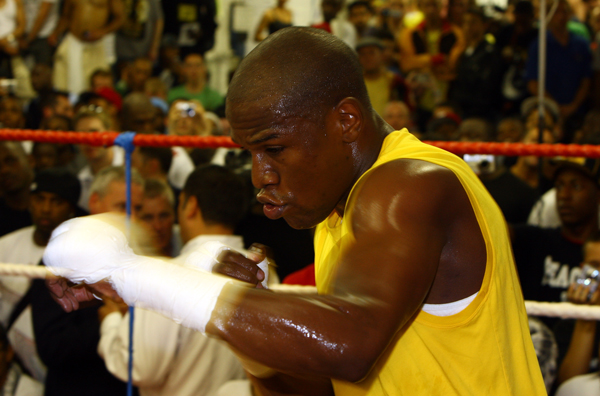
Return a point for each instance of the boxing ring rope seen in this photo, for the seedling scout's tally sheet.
(562, 310)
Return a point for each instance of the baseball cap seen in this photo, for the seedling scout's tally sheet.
(590, 167)
(369, 42)
(59, 182)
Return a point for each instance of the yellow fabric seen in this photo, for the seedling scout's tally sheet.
(485, 349)
(379, 91)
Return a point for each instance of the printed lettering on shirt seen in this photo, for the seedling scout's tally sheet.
(558, 275)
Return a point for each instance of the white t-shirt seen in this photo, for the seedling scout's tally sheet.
(582, 385)
(544, 213)
(18, 247)
(169, 359)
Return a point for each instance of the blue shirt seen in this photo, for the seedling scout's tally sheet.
(566, 66)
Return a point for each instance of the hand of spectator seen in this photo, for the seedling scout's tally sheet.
(567, 110)
(580, 294)
(245, 269)
(53, 39)
(69, 296)
(9, 47)
(111, 305)
(92, 35)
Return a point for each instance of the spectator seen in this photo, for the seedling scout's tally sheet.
(432, 66)
(548, 259)
(474, 130)
(139, 37)
(41, 17)
(101, 78)
(137, 114)
(11, 113)
(41, 82)
(212, 202)
(391, 17)
(12, 375)
(83, 49)
(157, 213)
(11, 30)
(273, 19)
(195, 86)
(361, 15)
(44, 156)
(382, 84)
(192, 23)
(169, 62)
(16, 176)
(475, 88)
(457, 10)
(335, 25)
(91, 120)
(512, 42)
(67, 343)
(56, 103)
(138, 72)
(107, 193)
(510, 130)
(154, 163)
(579, 338)
(397, 114)
(53, 200)
(527, 166)
(568, 80)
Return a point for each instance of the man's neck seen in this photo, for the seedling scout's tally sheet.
(561, 34)
(40, 238)
(580, 232)
(194, 86)
(17, 200)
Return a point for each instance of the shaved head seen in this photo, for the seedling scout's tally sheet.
(304, 70)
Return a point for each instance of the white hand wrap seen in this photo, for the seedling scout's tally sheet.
(207, 254)
(89, 249)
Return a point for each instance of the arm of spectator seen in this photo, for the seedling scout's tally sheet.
(259, 35)
(40, 19)
(578, 356)
(457, 49)
(63, 23)
(581, 95)
(151, 363)
(20, 19)
(409, 59)
(157, 35)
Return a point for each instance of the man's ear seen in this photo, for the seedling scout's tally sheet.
(350, 117)
(190, 207)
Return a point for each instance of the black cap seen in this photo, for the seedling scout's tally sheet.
(590, 167)
(369, 42)
(59, 182)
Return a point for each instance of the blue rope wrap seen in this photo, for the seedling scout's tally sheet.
(125, 140)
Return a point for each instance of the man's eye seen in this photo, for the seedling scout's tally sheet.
(274, 150)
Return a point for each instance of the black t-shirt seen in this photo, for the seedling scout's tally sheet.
(514, 197)
(11, 219)
(547, 262)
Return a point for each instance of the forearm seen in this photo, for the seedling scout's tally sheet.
(582, 93)
(40, 19)
(578, 357)
(157, 35)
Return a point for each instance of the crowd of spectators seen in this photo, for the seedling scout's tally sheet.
(446, 71)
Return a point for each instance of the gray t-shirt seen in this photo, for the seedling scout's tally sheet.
(135, 36)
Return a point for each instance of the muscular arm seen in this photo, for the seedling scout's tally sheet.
(117, 12)
(40, 19)
(20, 19)
(401, 226)
(409, 59)
(63, 22)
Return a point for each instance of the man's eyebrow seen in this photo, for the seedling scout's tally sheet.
(263, 139)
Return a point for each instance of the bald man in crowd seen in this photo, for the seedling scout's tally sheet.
(413, 298)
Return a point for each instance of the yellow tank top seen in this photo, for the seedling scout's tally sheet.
(486, 348)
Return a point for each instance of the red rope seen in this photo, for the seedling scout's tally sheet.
(459, 148)
(108, 138)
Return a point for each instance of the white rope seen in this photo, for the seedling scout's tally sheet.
(534, 308)
(30, 271)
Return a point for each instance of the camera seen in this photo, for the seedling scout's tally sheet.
(481, 164)
(589, 276)
(186, 109)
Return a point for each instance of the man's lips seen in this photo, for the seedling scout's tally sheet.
(271, 208)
